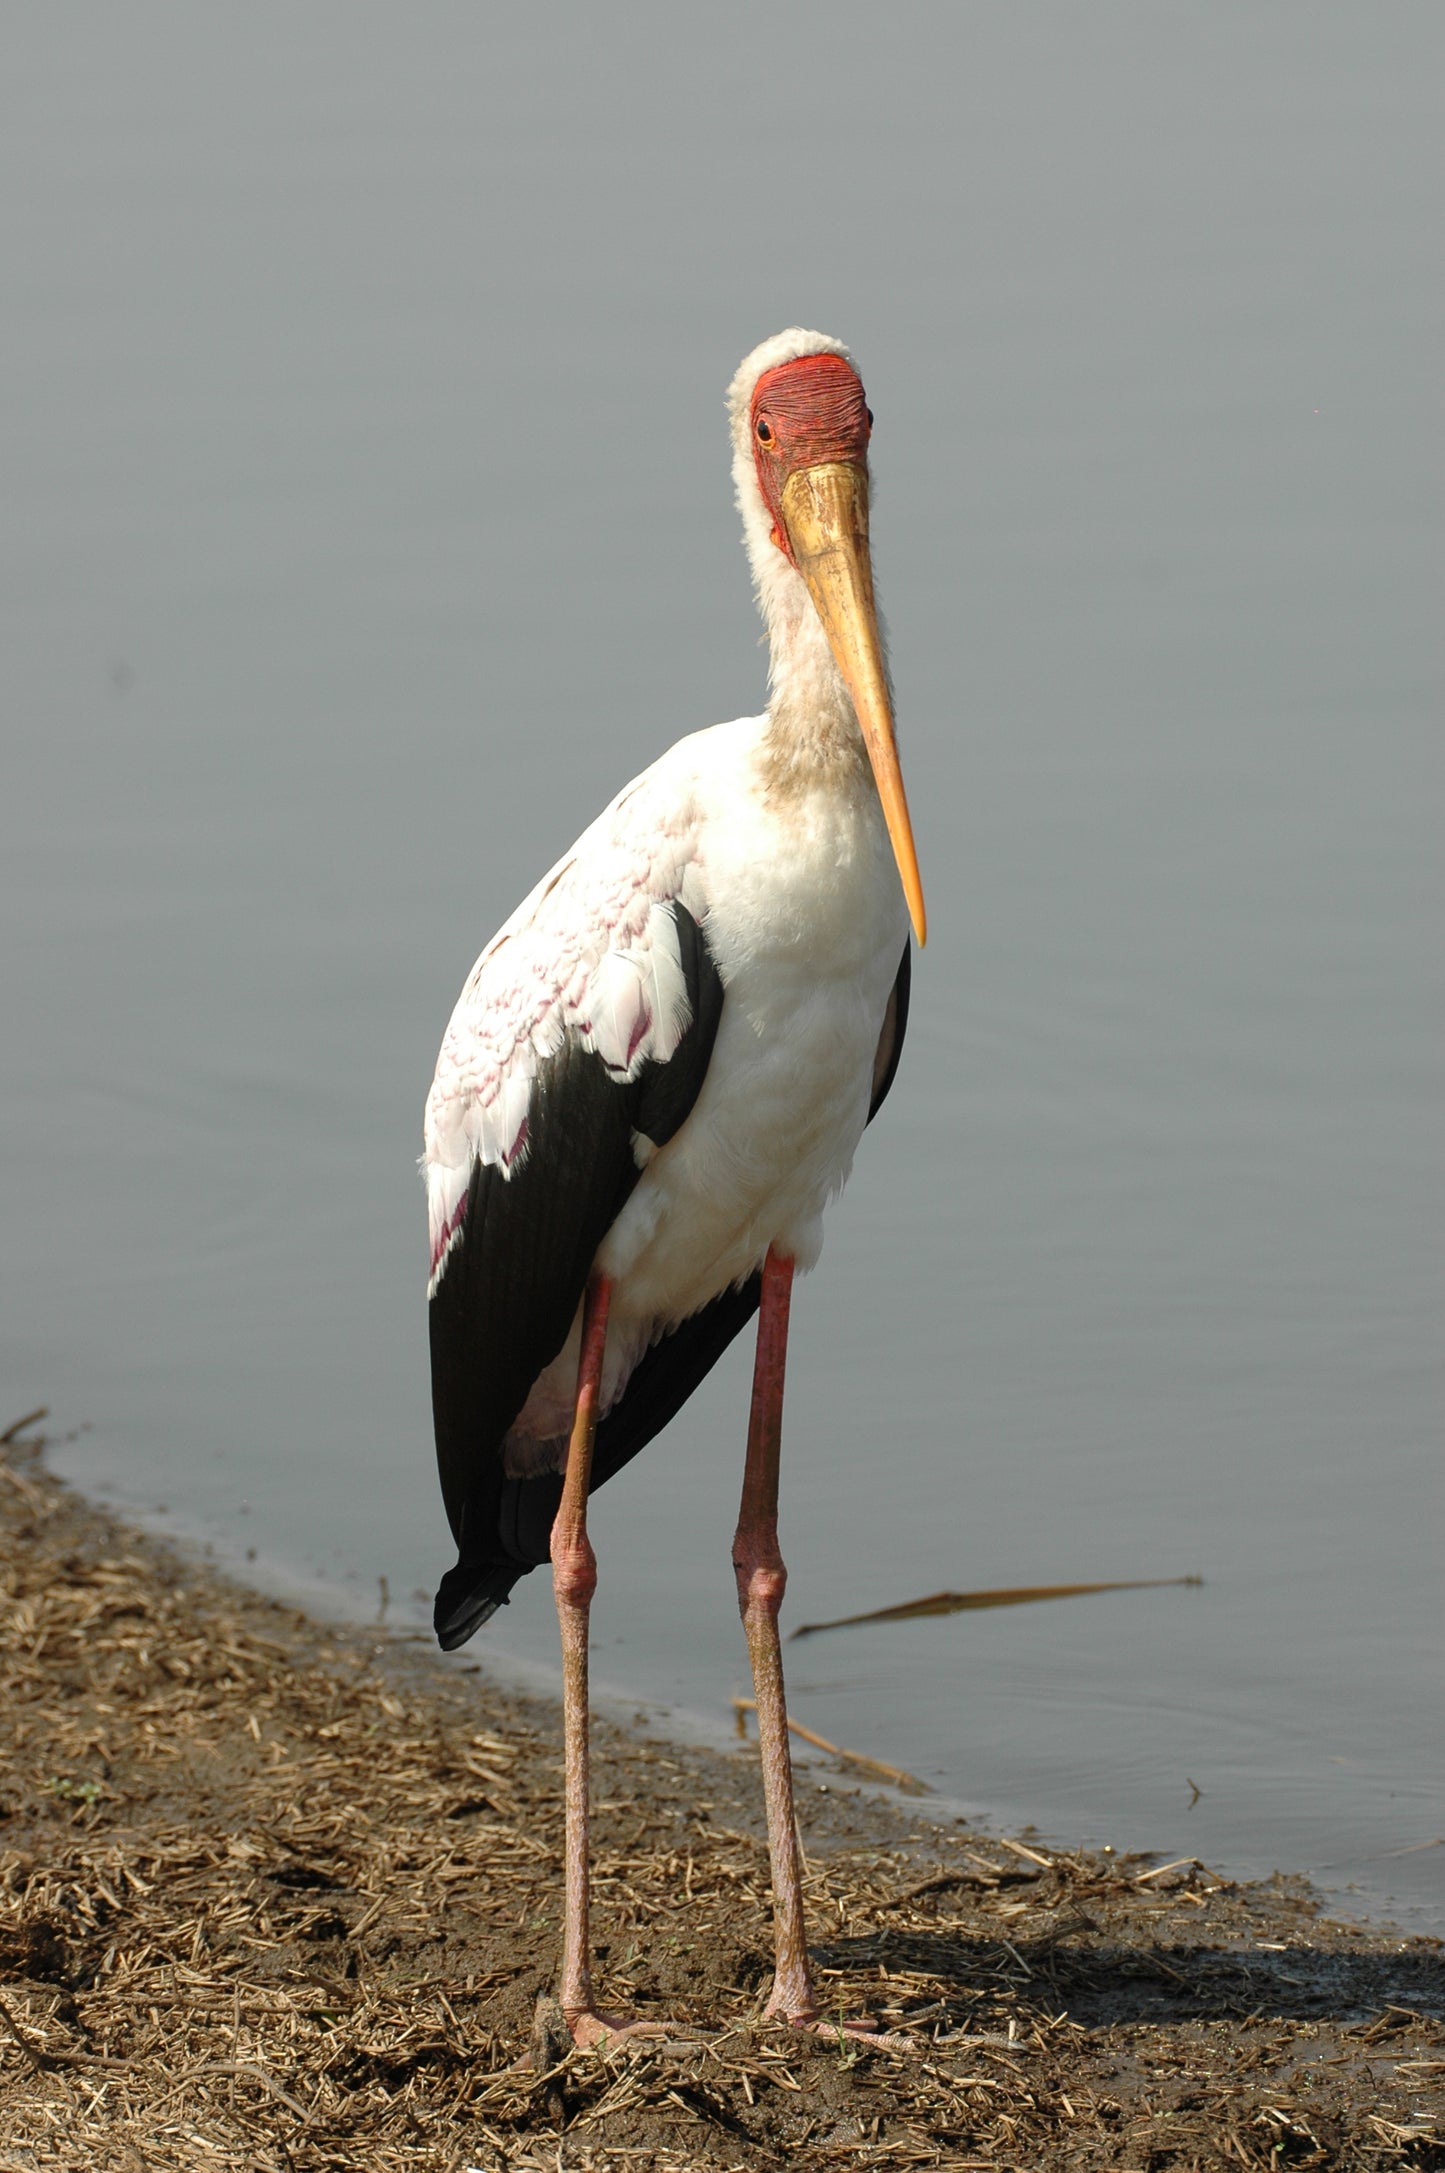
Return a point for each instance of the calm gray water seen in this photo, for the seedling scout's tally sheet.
(366, 523)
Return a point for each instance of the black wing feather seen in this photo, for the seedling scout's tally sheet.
(510, 1288)
(890, 1041)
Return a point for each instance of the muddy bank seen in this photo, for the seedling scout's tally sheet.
(280, 1896)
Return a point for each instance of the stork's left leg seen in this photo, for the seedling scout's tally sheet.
(762, 1579)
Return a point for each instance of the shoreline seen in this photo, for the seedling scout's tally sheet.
(283, 1892)
(1352, 1891)
(352, 1601)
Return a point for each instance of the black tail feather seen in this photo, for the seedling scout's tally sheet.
(470, 1594)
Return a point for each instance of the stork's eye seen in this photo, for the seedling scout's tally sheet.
(869, 413)
(765, 431)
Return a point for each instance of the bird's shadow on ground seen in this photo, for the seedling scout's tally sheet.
(1106, 1982)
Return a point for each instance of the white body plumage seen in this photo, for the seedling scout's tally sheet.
(796, 891)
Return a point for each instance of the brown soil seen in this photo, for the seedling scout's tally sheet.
(276, 1895)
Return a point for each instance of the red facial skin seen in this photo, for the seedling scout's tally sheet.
(803, 414)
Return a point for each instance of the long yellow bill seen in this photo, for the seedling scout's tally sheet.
(826, 513)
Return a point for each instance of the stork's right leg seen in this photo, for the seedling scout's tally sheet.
(574, 1580)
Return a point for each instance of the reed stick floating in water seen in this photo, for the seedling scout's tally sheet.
(953, 1603)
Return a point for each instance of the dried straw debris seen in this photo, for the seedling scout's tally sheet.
(280, 1897)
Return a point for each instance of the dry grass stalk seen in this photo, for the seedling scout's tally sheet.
(895, 1775)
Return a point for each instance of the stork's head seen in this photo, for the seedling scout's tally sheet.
(800, 429)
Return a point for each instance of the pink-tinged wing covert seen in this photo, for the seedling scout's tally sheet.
(591, 958)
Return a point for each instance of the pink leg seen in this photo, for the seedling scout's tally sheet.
(574, 1580)
(762, 1580)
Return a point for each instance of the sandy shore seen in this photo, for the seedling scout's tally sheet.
(281, 1896)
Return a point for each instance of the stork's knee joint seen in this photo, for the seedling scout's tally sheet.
(761, 1587)
(574, 1575)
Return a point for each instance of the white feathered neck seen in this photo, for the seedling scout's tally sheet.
(811, 712)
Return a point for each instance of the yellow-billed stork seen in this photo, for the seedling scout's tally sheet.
(654, 1080)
